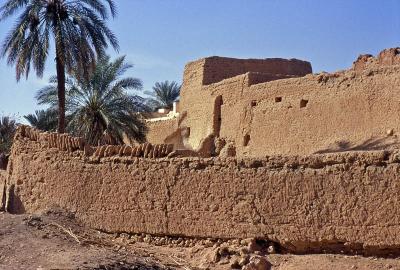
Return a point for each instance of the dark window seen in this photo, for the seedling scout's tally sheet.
(246, 140)
(303, 103)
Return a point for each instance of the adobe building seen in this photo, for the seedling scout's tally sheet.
(257, 108)
(272, 115)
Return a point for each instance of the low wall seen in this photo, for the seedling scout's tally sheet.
(346, 201)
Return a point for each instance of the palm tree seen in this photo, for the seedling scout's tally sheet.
(8, 127)
(45, 120)
(100, 109)
(79, 31)
(164, 94)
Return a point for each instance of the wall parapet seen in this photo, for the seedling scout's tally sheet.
(217, 68)
(70, 144)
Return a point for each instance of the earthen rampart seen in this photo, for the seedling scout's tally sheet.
(333, 202)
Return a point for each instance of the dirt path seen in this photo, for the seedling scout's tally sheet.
(55, 240)
(52, 242)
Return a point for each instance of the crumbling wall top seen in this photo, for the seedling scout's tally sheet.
(386, 57)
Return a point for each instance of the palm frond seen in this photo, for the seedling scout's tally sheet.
(100, 109)
(8, 127)
(78, 27)
(45, 120)
(164, 94)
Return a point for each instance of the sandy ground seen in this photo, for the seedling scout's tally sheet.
(55, 240)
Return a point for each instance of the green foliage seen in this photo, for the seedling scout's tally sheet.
(45, 120)
(8, 127)
(78, 28)
(164, 95)
(100, 109)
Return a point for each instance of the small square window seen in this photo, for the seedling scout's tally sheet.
(303, 103)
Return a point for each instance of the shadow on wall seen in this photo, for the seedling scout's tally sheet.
(368, 145)
(3, 161)
(14, 204)
(180, 136)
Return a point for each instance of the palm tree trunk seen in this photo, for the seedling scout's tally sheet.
(60, 61)
(61, 93)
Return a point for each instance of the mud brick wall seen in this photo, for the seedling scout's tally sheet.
(307, 204)
(262, 107)
(217, 69)
(162, 131)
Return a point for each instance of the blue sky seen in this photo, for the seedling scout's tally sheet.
(160, 36)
